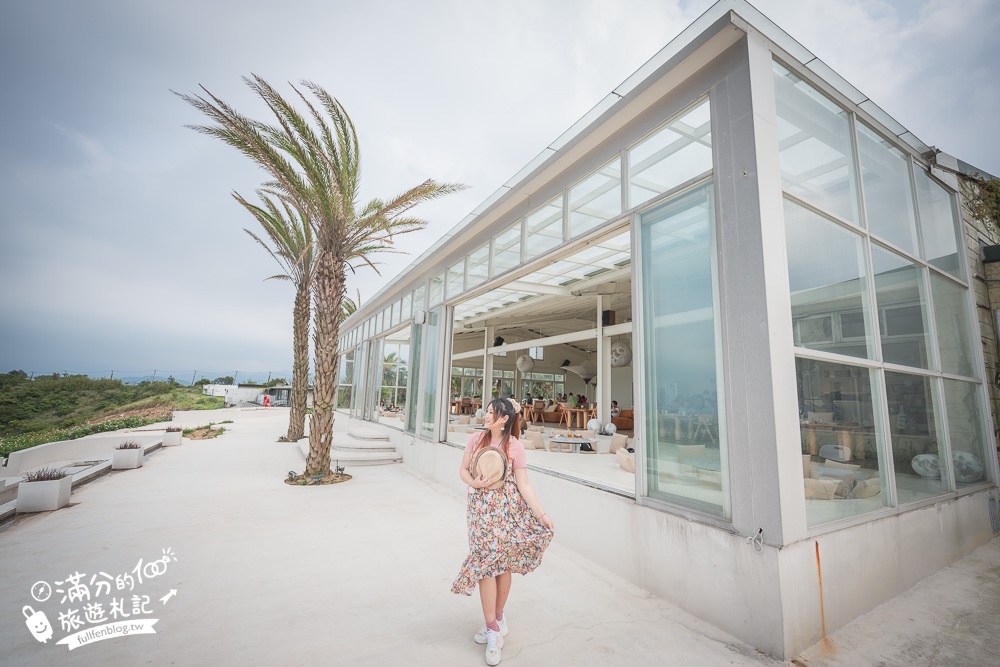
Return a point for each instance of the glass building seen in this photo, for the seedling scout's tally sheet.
(770, 276)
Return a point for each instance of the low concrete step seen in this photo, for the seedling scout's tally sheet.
(362, 433)
(355, 458)
(348, 444)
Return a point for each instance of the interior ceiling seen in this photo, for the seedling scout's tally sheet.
(556, 299)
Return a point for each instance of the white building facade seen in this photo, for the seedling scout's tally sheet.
(785, 265)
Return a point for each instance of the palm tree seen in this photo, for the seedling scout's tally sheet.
(291, 246)
(315, 163)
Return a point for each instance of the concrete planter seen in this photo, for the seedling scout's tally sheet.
(43, 496)
(171, 438)
(126, 459)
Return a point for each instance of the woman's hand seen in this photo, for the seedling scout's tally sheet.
(546, 521)
(481, 482)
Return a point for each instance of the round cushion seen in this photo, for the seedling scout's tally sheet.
(490, 461)
(968, 468)
(609, 429)
(594, 425)
(926, 465)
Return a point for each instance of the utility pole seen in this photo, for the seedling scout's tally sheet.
(112, 375)
(268, 377)
(193, 374)
(235, 383)
(154, 376)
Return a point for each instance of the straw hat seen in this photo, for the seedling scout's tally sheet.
(492, 462)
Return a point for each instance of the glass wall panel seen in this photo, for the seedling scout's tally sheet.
(416, 338)
(407, 307)
(456, 279)
(431, 354)
(596, 199)
(686, 454)
(814, 141)
(842, 449)
(902, 304)
(479, 266)
(419, 298)
(828, 279)
(885, 174)
(969, 448)
(507, 249)
(435, 294)
(951, 315)
(674, 154)
(345, 380)
(937, 224)
(917, 439)
(544, 229)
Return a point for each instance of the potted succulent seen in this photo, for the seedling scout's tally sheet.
(172, 437)
(127, 455)
(43, 490)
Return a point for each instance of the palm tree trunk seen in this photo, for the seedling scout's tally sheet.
(300, 363)
(328, 291)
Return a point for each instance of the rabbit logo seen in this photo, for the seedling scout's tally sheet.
(38, 623)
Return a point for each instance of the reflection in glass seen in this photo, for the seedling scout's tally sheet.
(899, 289)
(885, 174)
(917, 441)
(814, 141)
(543, 229)
(686, 453)
(841, 440)
(479, 266)
(429, 377)
(951, 316)
(345, 380)
(596, 199)
(937, 224)
(507, 249)
(436, 292)
(969, 449)
(829, 288)
(674, 154)
(456, 279)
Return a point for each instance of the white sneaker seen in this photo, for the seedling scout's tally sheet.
(480, 637)
(494, 642)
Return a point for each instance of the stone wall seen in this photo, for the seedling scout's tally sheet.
(986, 284)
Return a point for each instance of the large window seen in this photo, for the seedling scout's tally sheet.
(814, 141)
(345, 381)
(671, 156)
(431, 354)
(895, 382)
(395, 375)
(596, 199)
(543, 229)
(686, 460)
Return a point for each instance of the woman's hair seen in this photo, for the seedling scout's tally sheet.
(503, 407)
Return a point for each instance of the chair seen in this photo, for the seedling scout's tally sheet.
(703, 426)
(625, 420)
(618, 440)
(465, 407)
(537, 408)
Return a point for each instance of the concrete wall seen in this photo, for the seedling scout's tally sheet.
(865, 565)
(97, 446)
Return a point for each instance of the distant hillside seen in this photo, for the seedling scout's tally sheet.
(59, 402)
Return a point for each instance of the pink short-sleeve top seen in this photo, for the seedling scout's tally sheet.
(515, 450)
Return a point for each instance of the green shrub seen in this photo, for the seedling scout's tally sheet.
(14, 443)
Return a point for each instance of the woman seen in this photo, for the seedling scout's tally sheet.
(508, 529)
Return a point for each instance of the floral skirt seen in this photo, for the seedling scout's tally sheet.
(504, 536)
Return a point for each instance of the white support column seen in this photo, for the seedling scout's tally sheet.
(487, 366)
(602, 397)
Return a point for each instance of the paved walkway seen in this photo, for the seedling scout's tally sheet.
(359, 573)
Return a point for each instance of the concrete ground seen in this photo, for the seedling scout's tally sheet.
(359, 573)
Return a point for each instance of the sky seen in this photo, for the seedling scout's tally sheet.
(122, 249)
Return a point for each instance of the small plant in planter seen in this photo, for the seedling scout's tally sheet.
(43, 490)
(172, 437)
(127, 455)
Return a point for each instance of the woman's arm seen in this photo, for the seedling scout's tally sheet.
(466, 476)
(528, 493)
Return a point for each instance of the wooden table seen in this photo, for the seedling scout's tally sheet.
(577, 416)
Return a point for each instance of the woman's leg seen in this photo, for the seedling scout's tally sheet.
(488, 598)
(503, 590)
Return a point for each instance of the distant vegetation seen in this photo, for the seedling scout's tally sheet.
(57, 407)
